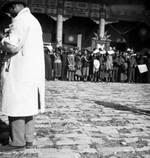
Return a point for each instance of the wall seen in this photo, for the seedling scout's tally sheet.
(137, 37)
(71, 28)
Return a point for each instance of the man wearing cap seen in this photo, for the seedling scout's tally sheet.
(22, 76)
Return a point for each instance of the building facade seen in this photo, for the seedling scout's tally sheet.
(77, 22)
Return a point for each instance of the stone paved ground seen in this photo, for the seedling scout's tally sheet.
(92, 120)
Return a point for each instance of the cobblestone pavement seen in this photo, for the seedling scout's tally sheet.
(92, 120)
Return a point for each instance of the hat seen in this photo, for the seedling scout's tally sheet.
(5, 4)
(128, 49)
(111, 52)
(103, 52)
(133, 55)
(96, 51)
(50, 48)
(100, 46)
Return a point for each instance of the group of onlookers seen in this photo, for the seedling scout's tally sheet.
(97, 65)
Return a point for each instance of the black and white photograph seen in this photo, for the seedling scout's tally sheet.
(74, 78)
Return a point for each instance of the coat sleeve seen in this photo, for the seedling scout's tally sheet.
(18, 33)
(10, 43)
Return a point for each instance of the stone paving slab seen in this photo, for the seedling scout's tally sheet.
(91, 120)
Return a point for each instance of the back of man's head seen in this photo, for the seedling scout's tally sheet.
(4, 6)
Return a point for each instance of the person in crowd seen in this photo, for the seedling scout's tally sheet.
(57, 63)
(140, 77)
(102, 67)
(85, 65)
(48, 64)
(23, 74)
(64, 58)
(132, 66)
(123, 68)
(52, 56)
(96, 66)
(115, 76)
(78, 66)
(148, 66)
(90, 66)
(109, 67)
(71, 65)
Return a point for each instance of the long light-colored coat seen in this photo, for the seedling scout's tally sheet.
(22, 77)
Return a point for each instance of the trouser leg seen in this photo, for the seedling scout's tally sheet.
(29, 129)
(133, 75)
(17, 131)
(21, 130)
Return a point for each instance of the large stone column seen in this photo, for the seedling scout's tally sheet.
(102, 23)
(79, 41)
(101, 27)
(59, 37)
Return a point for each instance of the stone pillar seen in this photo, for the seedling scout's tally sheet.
(79, 41)
(101, 27)
(102, 23)
(59, 37)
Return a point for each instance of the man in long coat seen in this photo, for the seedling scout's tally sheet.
(22, 76)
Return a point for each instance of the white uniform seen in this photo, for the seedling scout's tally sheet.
(23, 77)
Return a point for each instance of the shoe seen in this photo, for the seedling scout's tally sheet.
(9, 148)
(30, 145)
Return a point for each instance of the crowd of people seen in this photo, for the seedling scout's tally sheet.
(97, 65)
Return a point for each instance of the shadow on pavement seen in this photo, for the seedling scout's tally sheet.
(4, 133)
(123, 107)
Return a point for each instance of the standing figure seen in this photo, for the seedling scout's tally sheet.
(148, 66)
(96, 66)
(23, 75)
(102, 67)
(85, 65)
(78, 73)
(90, 66)
(57, 64)
(71, 66)
(115, 75)
(123, 68)
(132, 66)
(64, 65)
(109, 67)
(48, 64)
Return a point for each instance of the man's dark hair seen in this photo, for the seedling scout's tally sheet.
(5, 7)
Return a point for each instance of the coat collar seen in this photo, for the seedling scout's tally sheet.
(22, 12)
